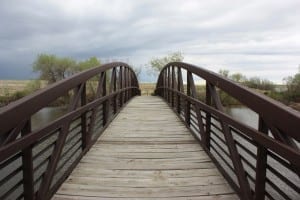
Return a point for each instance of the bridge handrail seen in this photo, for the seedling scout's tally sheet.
(242, 153)
(44, 156)
(23, 107)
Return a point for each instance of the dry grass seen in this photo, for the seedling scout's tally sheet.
(8, 87)
(147, 88)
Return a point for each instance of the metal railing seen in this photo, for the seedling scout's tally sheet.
(35, 162)
(259, 163)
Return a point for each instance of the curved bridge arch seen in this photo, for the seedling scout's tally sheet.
(231, 143)
(258, 162)
(26, 151)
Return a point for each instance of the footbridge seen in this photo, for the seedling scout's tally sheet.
(108, 142)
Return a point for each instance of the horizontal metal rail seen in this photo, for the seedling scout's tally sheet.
(259, 163)
(34, 162)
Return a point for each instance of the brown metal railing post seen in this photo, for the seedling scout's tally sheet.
(121, 85)
(169, 85)
(54, 159)
(115, 105)
(261, 164)
(173, 86)
(85, 135)
(188, 103)
(125, 84)
(245, 190)
(164, 84)
(208, 101)
(111, 90)
(99, 94)
(193, 90)
(129, 84)
(179, 80)
(106, 102)
(27, 160)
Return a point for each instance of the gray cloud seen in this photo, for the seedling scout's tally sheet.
(255, 37)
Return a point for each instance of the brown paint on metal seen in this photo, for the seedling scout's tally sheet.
(281, 120)
(78, 109)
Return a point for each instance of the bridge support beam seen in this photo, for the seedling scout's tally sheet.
(261, 164)
(27, 160)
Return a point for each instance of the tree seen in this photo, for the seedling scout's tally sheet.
(224, 72)
(238, 77)
(52, 68)
(137, 71)
(258, 83)
(86, 64)
(293, 87)
(158, 63)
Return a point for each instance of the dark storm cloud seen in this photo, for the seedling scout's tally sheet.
(238, 35)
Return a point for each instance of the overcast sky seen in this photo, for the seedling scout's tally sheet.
(256, 38)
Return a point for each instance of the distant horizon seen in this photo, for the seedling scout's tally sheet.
(256, 38)
(145, 76)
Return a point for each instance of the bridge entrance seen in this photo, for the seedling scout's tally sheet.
(146, 151)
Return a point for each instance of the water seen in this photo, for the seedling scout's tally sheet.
(38, 120)
(46, 115)
(250, 118)
(244, 115)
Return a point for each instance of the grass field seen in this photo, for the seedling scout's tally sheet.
(8, 87)
(147, 88)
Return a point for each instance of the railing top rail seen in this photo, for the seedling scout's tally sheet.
(19, 110)
(257, 159)
(285, 118)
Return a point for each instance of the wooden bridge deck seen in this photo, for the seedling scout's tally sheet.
(146, 153)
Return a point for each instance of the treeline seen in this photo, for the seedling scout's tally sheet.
(293, 87)
(289, 93)
(252, 82)
(51, 68)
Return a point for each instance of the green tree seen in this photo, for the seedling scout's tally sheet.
(158, 63)
(137, 71)
(258, 83)
(238, 77)
(293, 87)
(224, 72)
(86, 64)
(52, 68)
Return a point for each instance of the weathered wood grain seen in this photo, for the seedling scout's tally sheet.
(146, 153)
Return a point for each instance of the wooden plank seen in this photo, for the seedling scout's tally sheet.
(210, 197)
(147, 182)
(146, 153)
(184, 173)
(136, 192)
